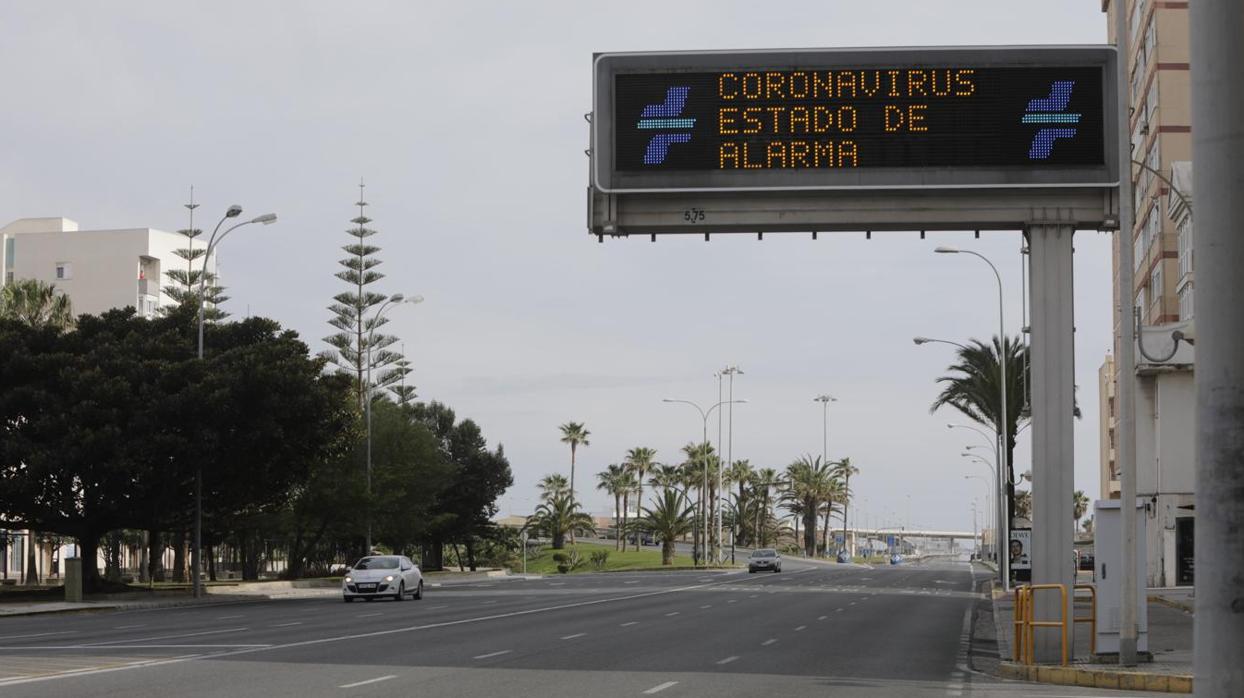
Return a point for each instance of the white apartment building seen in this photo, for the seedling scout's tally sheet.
(98, 269)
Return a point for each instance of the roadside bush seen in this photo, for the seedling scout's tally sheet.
(599, 558)
(568, 561)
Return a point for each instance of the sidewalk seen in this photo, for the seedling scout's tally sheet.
(1170, 643)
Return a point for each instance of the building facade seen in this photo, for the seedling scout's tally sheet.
(98, 269)
(1156, 48)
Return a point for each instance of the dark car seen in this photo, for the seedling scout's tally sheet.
(764, 559)
(843, 556)
(896, 559)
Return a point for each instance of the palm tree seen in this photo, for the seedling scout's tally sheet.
(553, 485)
(1079, 506)
(639, 460)
(766, 480)
(973, 387)
(36, 303)
(846, 470)
(664, 476)
(559, 516)
(614, 480)
(671, 517)
(575, 434)
(809, 486)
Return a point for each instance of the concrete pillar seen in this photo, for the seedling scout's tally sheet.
(1218, 224)
(1053, 406)
(73, 579)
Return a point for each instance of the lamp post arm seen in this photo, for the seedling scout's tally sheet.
(1165, 180)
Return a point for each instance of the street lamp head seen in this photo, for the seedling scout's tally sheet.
(742, 399)
(825, 398)
(946, 250)
(668, 399)
(266, 219)
(920, 340)
(234, 211)
(414, 300)
(397, 298)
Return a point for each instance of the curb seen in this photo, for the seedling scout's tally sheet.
(1097, 678)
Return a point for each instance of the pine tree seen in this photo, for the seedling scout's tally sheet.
(350, 344)
(184, 283)
(403, 392)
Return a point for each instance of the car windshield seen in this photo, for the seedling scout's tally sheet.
(765, 553)
(376, 563)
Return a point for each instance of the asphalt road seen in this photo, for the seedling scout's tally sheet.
(811, 630)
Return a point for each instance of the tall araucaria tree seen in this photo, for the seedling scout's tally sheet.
(352, 345)
(183, 286)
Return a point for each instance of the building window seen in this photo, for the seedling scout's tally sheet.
(1186, 309)
(64, 270)
(1155, 282)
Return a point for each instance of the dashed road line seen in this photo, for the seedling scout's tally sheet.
(286, 625)
(628, 624)
(492, 654)
(378, 679)
(727, 660)
(660, 687)
(822, 617)
(672, 613)
(802, 627)
(768, 642)
(571, 637)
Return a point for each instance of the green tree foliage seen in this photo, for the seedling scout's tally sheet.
(616, 481)
(103, 428)
(639, 461)
(477, 477)
(558, 517)
(670, 517)
(36, 304)
(184, 283)
(810, 490)
(351, 348)
(575, 434)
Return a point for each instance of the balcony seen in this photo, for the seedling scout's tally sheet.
(149, 287)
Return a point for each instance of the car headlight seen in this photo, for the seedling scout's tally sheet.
(389, 578)
(349, 579)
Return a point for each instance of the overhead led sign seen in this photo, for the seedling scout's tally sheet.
(881, 118)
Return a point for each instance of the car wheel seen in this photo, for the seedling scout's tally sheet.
(401, 592)
(751, 571)
(348, 599)
(418, 592)
(369, 599)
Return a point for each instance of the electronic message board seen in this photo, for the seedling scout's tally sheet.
(876, 118)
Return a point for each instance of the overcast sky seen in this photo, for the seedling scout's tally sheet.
(466, 120)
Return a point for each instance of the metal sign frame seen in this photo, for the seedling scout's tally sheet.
(606, 65)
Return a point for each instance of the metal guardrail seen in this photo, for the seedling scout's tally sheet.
(1025, 622)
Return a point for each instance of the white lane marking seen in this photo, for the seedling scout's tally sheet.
(230, 617)
(485, 603)
(369, 615)
(361, 636)
(822, 617)
(752, 596)
(837, 610)
(727, 660)
(660, 687)
(633, 581)
(378, 679)
(571, 637)
(768, 642)
(16, 637)
(129, 647)
(286, 625)
(672, 613)
(802, 627)
(707, 605)
(732, 600)
(492, 654)
(130, 627)
(168, 637)
(433, 608)
(634, 622)
(557, 584)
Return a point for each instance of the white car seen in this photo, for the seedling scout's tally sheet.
(382, 576)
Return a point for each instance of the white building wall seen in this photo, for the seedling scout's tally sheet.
(1165, 465)
(106, 269)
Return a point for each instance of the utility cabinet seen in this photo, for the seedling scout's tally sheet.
(1108, 564)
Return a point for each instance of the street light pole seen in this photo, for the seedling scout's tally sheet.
(394, 300)
(1004, 477)
(731, 371)
(704, 415)
(196, 584)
